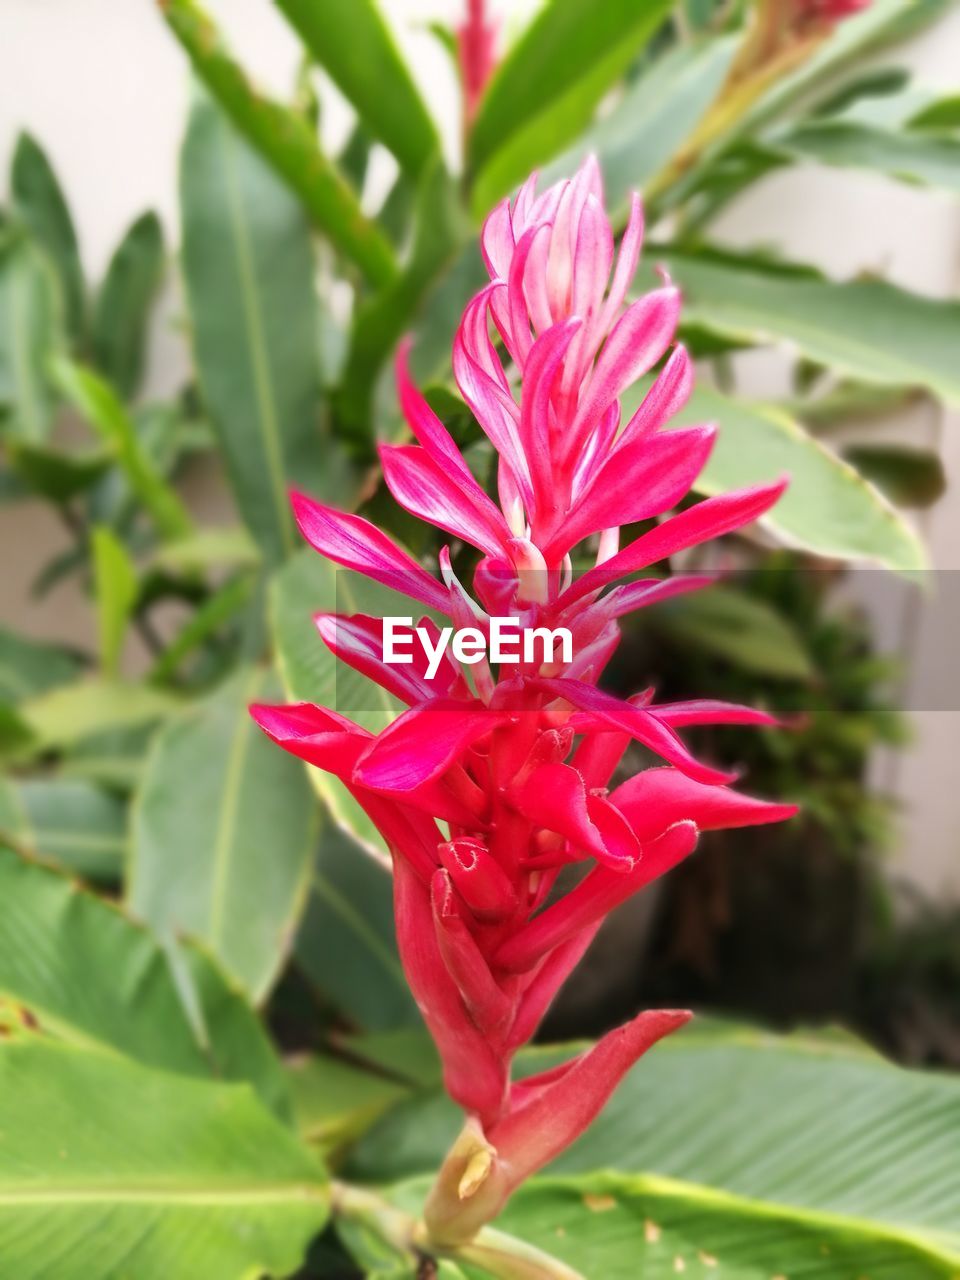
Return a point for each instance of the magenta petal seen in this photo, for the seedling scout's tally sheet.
(423, 422)
(482, 884)
(321, 737)
(655, 799)
(592, 899)
(357, 544)
(488, 1006)
(569, 1101)
(648, 591)
(450, 500)
(423, 742)
(638, 721)
(708, 519)
(358, 642)
(669, 393)
(710, 711)
(553, 797)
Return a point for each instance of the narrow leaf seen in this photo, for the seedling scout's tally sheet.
(919, 158)
(29, 332)
(115, 585)
(122, 308)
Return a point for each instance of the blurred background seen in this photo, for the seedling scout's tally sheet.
(852, 915)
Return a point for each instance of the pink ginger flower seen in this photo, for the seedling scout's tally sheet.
(517, 765)
(830, 10)
(477, 54)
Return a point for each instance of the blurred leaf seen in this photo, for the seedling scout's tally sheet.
(306, 586)
(865, 329)
(849, 401)
(209, 617)
(408, 1054)
(55, 473)
(355, 156)
(113, 758)
(347, 944)
(96, 400)
(122, 308)
(942, 114)
(69, 713)
(380, 323)
(90, 975)
(648, 124)
(746, 632)
(354, 45)
(71, 823)
(28, 666)
(226, 547)
(334, 1102)
(123, 1171)
(396, 211)
(828, 508)
(249, 275)
(16, 735)
(546, 89)
(224, 834)
(908, 476)
(917, 158)
(115, 585)
(39, 200)
(286, 141)
(29, 332)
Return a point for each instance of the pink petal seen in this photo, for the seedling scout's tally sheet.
(480, 881)
(711, 711)
(423, 422)
(423, 742)
(670, 392)
(357, 640)
(655, 799)
(487, 1004)
(359, 545)
(553, 797)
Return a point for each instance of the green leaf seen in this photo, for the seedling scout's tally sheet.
(438, 234)
(942, 114)
(864, 329)
(545, 90)
(69, 822)
(334, 1102)
(909, 476)
(621, 1226)
(928, 160)
(117, 1171)
(100, 406)
(646, 127)
(223, 547)
(206, 620)
(828, 507)
(91, 976)
(122, 308)
(29, 331)
(28, 666)
(39, 200)
(286, 141)
(65, 715)
(746, 632)
(249, 274)
(224, 833)
(353, 44)
(309, 584)
(115, 584)
(347, 944)
(810, 1136)
(56, 473)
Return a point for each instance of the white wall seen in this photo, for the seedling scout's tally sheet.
(105, 88)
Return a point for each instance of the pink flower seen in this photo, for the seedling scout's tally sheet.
(476, 53)
(517, 764)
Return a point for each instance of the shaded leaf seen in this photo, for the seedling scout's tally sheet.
(224, 834)
(249, 274)
(29, 331)
(30, 666)
(909, 476)
(56, 473)
(122, 308)
(334, 1101)
(71, 823)
(115, 585)
(929, 160)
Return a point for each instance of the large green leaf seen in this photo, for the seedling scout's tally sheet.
(91, 976)
(920, 158)
(828, 507)
(39, 200)
(306, 586)
(353, 44)
(347, 943)
(865, 329)
(249, 275)
(113, 1171)
(335, 1101)
(123, 303)
(224, 833)
(805, 1131)
(546, 89)
(100, 405)
(70, 822)
(647, 126)
(66, 714)
(286, 141)
(29, 332)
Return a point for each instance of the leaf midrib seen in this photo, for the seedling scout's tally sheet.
(279, 1193)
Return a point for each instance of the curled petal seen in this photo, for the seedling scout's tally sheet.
(554, 797)
(711, 711)
(482, 884)
(655, 799)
